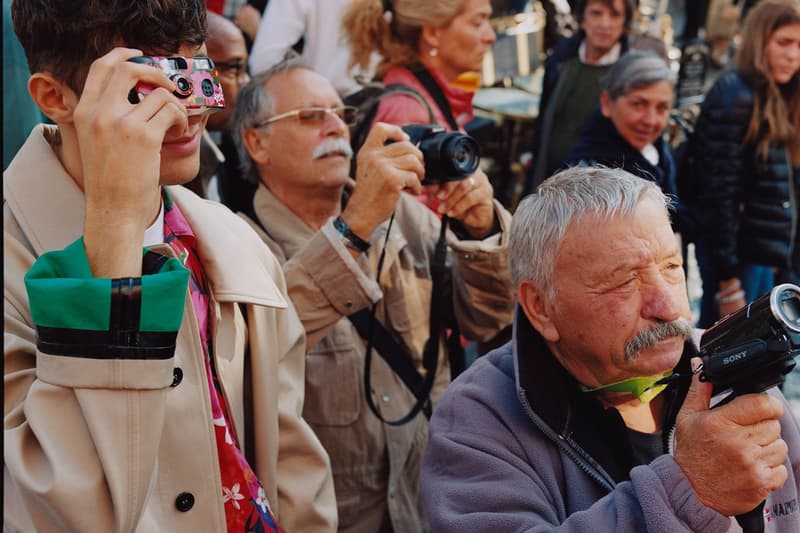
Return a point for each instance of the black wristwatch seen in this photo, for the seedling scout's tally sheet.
(351, 240)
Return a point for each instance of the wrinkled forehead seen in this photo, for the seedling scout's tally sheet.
(597, 242)
(301, 87)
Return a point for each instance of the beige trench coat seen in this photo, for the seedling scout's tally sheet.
(108, 445)
(376, 466)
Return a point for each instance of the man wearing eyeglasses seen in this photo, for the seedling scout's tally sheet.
(329, 233)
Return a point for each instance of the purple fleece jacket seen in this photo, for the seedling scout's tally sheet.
(494, 464)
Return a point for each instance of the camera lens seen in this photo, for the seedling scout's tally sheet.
(182, 84)
(207, 87)
(785, 305)
(461, 153)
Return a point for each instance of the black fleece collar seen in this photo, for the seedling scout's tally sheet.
(555, 396)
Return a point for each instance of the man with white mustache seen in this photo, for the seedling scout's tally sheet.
(569, 427)
(329, 232)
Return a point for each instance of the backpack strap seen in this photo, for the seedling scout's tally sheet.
(367, 101)
(433, 88)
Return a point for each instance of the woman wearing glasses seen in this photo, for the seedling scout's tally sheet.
(745, 165)
(434, 47)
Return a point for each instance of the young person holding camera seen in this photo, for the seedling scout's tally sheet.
(329, 233)
(131, 402)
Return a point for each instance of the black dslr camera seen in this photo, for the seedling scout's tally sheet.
(449, 156)
(754, 348)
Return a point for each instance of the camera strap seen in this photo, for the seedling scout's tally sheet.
(395, 355)
(430, 355)
(427, 81)
(454, 349)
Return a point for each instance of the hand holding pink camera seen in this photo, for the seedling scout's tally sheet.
(196, 81)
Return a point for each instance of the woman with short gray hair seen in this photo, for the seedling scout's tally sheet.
(626, 131)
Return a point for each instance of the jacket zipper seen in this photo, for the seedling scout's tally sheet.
(793, 201)
(568, 446)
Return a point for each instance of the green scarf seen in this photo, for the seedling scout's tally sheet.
(645, 388)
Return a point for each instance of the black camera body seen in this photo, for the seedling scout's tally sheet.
(754, 348)
(449, 156)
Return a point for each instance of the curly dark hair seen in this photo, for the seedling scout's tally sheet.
(64, 37)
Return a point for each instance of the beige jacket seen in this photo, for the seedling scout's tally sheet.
(108, 445)
(376, 466)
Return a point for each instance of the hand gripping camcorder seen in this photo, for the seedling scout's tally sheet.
(754, 348)
(196, 82)
(750, 351)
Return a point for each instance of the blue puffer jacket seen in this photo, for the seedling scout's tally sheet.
(746, 207)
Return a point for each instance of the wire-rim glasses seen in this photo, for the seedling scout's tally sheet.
(315, 115)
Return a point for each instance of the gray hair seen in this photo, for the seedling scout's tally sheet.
(542, 219)
(634, 70)
(254, 105)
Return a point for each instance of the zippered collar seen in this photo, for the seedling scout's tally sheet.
(594, 437)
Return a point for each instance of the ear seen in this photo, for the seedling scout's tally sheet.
(430, 37)
(537, 308)
(257, 146)
(53, 97)
(605, 104)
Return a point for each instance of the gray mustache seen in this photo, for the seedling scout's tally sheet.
(679, 327)
(329, 146)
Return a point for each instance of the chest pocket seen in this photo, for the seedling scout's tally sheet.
(406, 287)
(334, 391)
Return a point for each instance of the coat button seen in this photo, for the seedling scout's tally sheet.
(184, 501)
(177, 376)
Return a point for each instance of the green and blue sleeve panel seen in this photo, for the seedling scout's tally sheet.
(80, 316)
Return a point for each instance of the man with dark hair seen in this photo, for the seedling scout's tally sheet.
(571, 86)
(220, 176)
(132, 403)
(330, 233)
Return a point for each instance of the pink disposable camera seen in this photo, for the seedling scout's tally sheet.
(196, 80)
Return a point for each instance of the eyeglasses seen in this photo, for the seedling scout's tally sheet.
(238, 68)
(315, 115)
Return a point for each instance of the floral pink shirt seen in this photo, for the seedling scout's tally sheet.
(244, 498)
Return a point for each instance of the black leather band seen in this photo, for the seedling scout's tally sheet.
(351, 239)
(110, 344)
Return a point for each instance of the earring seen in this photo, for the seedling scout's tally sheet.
(433, 52)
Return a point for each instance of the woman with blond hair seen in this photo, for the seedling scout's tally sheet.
(433, 47)
(745, 165)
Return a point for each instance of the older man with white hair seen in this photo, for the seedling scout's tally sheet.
(331, 234)
(569, 426)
